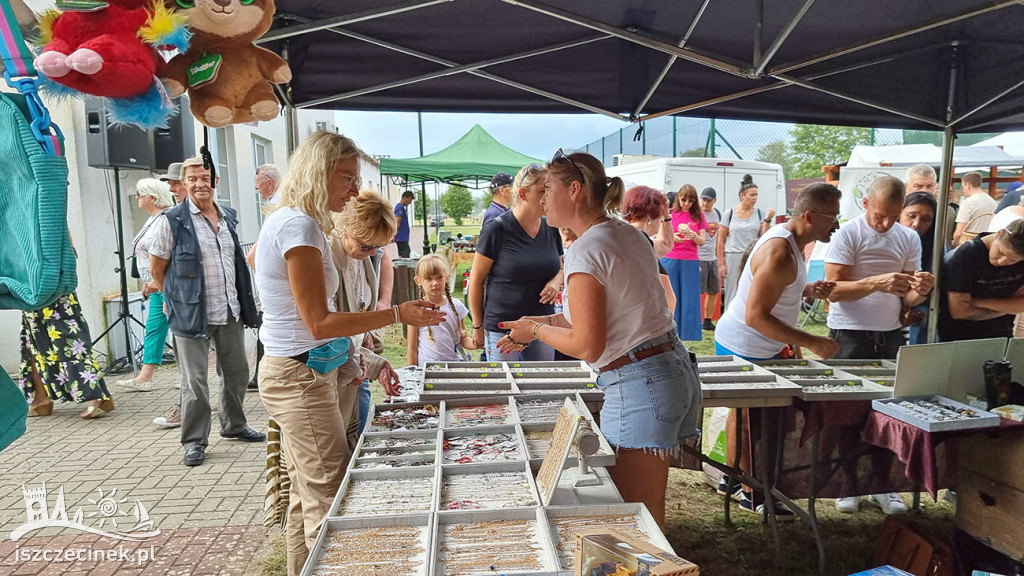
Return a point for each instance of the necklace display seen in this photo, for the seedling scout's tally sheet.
(489, 490)
(415, 418)
(469, 448)
(378, 551)
(538, 410)
(500, 547)
(387, 496)
(466, 416)
(567, 526)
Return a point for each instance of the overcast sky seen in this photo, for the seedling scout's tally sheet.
(394, 134)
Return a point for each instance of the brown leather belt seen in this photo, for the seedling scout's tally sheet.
(645, 353)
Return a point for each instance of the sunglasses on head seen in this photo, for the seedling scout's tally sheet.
(560, 155)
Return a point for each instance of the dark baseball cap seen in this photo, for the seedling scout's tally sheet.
(709, 193)
(173, 173)
(501, 179)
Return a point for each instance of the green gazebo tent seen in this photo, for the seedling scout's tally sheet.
(475, 156)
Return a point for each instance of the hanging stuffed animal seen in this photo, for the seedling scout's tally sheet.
(229, 80)
(109, 49)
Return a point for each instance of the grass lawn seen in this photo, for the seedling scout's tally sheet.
(695, 522)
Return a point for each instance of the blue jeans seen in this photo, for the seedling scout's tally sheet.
(364, 403)
(653, 403)
(537, 351)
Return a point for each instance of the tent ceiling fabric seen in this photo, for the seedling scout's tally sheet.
(401, 56)
(475, 156)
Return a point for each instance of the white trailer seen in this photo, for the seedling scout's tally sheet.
(724, 175)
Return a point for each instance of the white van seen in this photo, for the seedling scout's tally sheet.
(724, 175)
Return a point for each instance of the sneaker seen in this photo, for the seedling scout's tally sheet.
(850, 504)
(782, 513)
(708, 325)
(169, 419)
(723, 484)
(246, 434)
(195, 455)
(136, 385)
(252, 385)
(890, 503)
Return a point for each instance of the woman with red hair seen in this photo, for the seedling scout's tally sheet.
(647, 209)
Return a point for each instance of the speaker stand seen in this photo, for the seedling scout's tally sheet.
(125, 315)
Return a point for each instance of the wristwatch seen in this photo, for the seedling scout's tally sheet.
(666, 220)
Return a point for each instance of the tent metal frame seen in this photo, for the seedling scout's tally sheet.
(758, 69)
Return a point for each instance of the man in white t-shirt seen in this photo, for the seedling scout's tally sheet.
(975, 205)
(876, 264)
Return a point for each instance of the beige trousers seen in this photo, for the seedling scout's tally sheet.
(314, 440)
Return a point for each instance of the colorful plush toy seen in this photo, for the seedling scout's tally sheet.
(229, 80)
(109, 49)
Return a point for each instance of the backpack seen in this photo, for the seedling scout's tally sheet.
(38, 264)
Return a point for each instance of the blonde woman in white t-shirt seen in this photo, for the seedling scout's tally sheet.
(621, 325)
(303, 334)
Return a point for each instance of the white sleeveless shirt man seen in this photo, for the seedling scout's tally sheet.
(732, 331)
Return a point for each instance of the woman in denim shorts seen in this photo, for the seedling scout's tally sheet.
(621, 325)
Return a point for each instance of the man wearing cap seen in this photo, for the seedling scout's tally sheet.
(501, 197)
(402, 217)
(173, 179)
(710, 283)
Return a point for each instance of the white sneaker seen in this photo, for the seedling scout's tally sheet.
(849, 504)
(135, 385)
(169, 419)
(890, 503)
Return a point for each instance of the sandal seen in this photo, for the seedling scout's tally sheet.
(97, 410)
(40, 410)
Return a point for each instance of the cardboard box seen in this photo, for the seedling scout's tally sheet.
(601, 552)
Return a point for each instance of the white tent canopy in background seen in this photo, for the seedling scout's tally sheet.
(869, 162)
(1011, 142)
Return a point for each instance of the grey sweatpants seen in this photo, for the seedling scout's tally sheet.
(194, 364)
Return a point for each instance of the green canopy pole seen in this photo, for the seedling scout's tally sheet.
(423, 189)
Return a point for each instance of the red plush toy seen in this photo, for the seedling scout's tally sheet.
(107, 48)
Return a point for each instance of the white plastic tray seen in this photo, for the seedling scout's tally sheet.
(890, 407)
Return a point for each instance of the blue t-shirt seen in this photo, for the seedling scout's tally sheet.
(522, 266)
(402, 235)
(493, 211)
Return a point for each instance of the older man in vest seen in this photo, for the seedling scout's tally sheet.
(198, 264)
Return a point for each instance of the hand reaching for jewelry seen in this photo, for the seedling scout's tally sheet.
(519, 337)
(420, 313)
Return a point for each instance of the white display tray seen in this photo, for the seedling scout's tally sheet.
(461, 373)
(426, 474)
(753, 386)
(790, 363)
(860, 363)
(556, 364)
(547, 557)
(860, 389)
(604, 457)
(449, 470)
(507, 401)
(379, 463)
(374, 409)
(424, 521)
(638, 511)
(984, 419)
(361, 451)
(432, 367)
(513, 429)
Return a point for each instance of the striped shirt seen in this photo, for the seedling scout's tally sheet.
(218, 252)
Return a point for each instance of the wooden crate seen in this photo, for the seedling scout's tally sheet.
(990, 490)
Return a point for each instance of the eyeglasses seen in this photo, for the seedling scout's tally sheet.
(366, 248)
(354, 181)
(560, 155)
(833, 217)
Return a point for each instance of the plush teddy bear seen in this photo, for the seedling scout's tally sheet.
(229, 80)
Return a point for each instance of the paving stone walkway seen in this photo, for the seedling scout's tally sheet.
(210, 517)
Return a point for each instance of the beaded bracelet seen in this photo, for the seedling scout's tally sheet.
(536, 326)
(398, 315)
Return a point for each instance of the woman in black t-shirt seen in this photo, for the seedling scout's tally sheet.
(983, 286)
(517, 269)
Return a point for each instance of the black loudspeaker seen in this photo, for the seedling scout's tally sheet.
(178, 141)
(121, 145)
